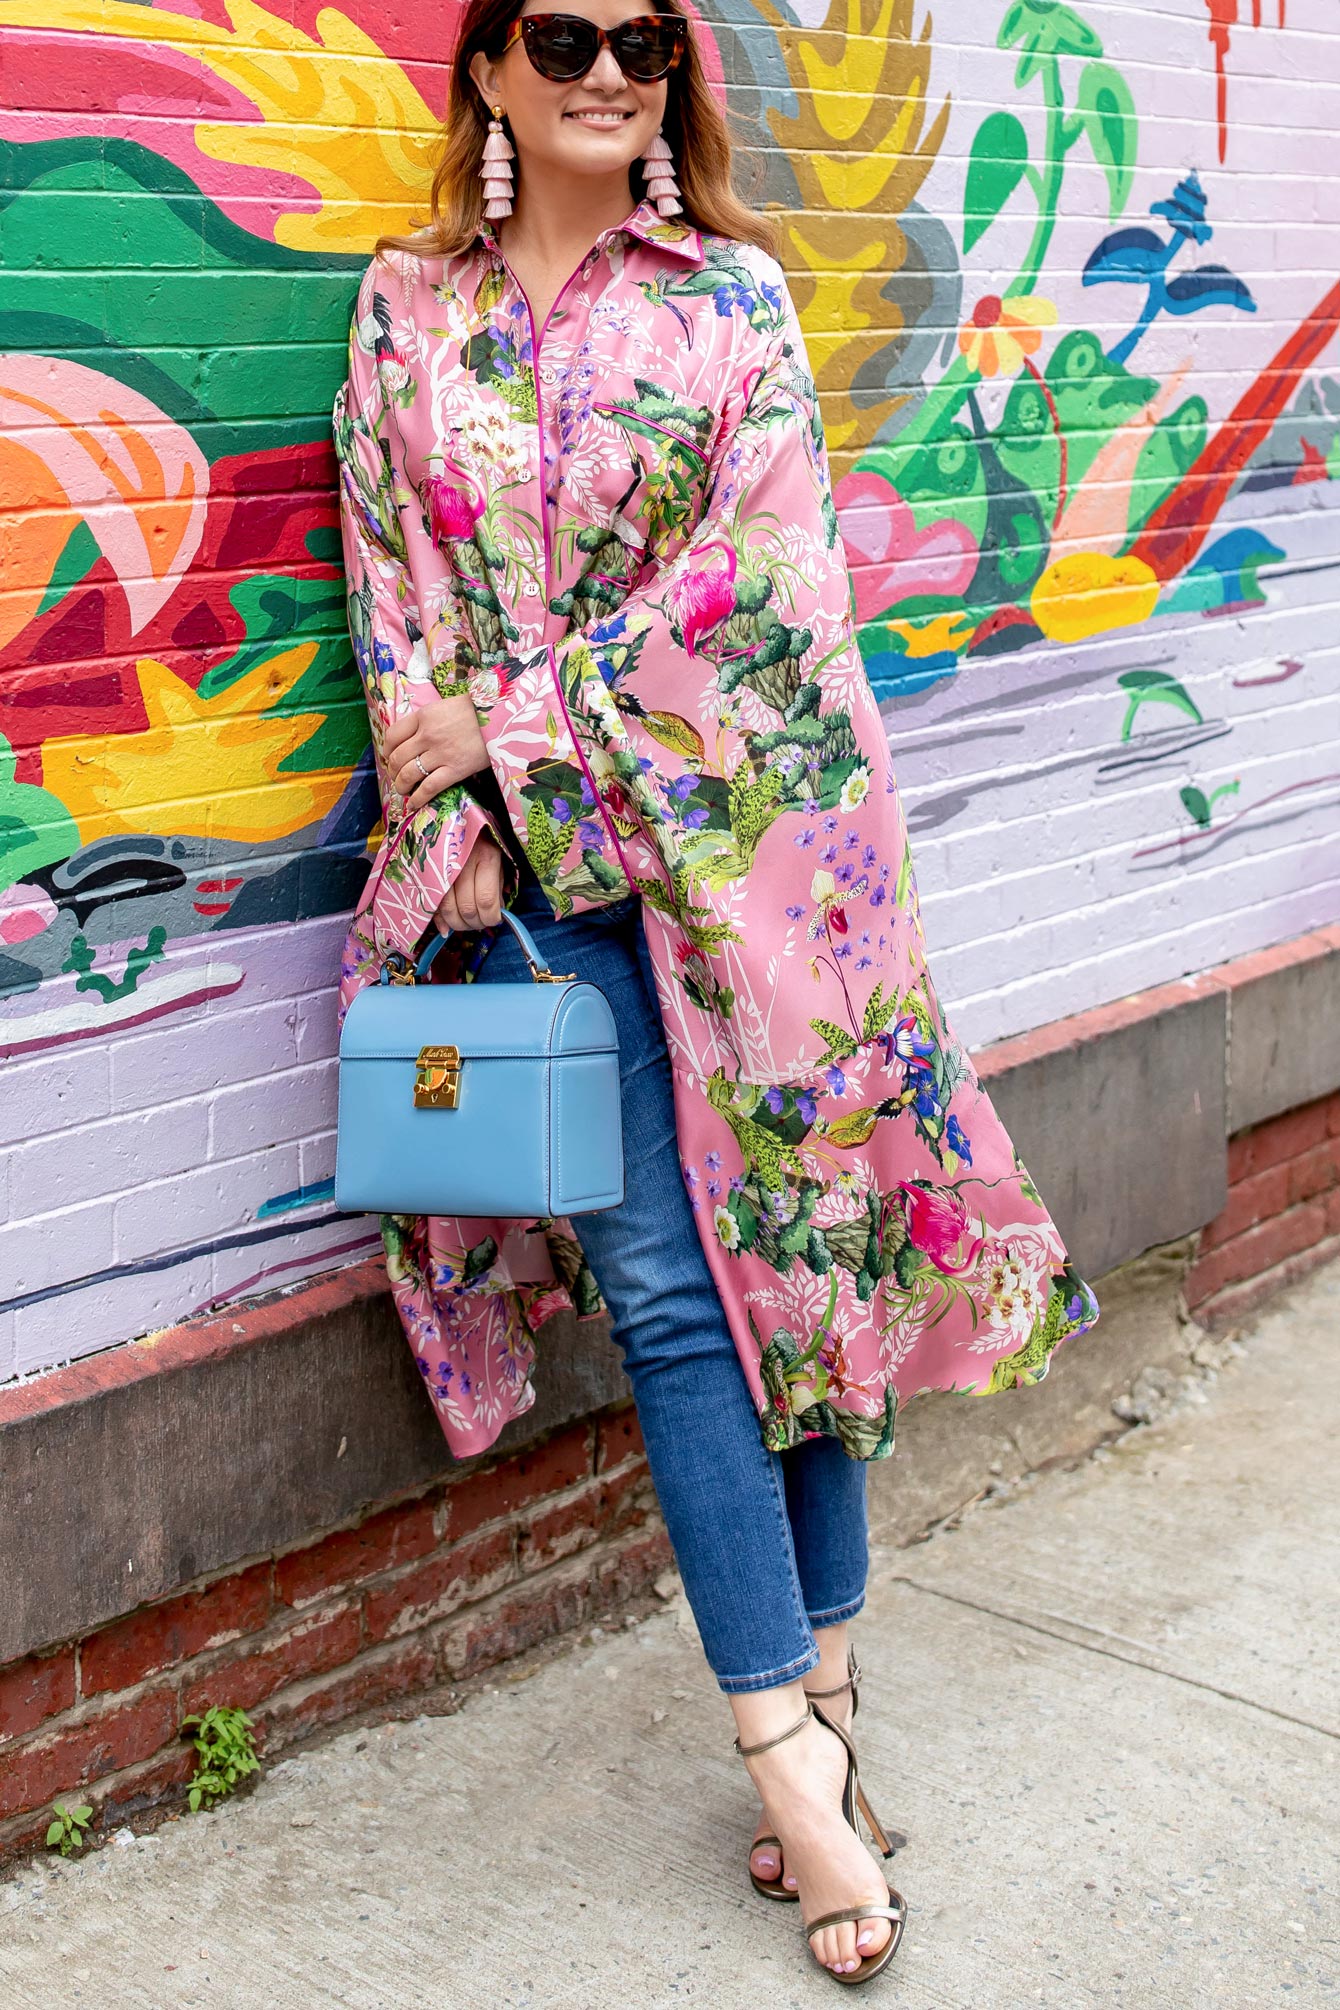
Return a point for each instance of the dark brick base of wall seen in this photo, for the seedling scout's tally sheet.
(1282, 1217)
(429, 1591)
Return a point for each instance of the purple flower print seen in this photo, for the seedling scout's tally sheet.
(562, 811)
(805, 1105)
(836, 1080)
(851, 840)
(957, 1142)
(588, 796)
(845, 874)
(693, 820)
(884, 872)
(803, 839)
(795, 912)
(863, 963)
(828, 854)
(830, 825)
(868, 857)
(713, 1162)
(591, 835)
(683, 786)
(811, 806)
(691, 1175)
(842, 949)
(714, 1189)
(878, 896)
(775, 1100)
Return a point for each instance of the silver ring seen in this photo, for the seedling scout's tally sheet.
(422, 770)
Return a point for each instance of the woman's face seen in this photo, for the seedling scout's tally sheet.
(596, 126)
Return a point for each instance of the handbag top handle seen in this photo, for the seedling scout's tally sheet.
(539, 969)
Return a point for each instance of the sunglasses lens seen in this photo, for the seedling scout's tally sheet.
(561, 46)
(646, 48)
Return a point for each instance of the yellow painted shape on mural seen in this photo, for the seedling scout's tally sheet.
(337, 112)
(1087, 593)
(831, 314)
(203, 767)
(843, 92)
(857, 180)
(933, 637)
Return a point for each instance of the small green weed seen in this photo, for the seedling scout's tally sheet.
(67, 1832)
(225, 1751)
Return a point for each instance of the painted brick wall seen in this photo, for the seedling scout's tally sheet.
(1094, 551)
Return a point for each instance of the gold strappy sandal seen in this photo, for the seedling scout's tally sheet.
(853, 1798)
(773, 1887)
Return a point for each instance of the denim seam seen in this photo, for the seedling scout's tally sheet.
(836, 1614)
(772, 1678)
(801, 1665)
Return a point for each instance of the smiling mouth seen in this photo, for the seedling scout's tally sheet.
(610, 119)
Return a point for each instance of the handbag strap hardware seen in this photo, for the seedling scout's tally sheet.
(536, 964)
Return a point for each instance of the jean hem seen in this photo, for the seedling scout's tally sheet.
(775, 1678)
(837, 1615)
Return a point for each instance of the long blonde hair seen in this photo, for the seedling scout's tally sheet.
(693, 124)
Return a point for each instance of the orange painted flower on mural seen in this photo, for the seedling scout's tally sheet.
(1002, 333)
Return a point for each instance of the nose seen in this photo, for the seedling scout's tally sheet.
(605, 74)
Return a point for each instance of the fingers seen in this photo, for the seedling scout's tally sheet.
(488, 882)
(474, 898)
(419, 789)
(430, 748)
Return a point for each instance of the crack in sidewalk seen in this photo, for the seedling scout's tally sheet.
(1111, 1654)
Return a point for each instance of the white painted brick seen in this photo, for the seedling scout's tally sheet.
(297, 1102)
(110, 1157)
(203, 1205)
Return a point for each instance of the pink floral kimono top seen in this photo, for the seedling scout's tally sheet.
(620, 528)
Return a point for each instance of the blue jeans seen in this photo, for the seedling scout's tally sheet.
(769, 1545)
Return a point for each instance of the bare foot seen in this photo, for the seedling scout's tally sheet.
(768, 1861)
(801, 1782)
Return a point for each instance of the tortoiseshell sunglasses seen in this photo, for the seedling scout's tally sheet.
(563, 47)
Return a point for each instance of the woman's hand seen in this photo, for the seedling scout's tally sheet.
(428, 749)
(474, 898)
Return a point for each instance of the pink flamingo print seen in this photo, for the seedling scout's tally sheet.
(453, 511)
(704, 597)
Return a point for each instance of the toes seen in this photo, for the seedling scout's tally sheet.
(766, 1862)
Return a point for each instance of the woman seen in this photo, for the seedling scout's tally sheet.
(603, 619)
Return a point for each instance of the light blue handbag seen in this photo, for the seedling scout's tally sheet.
(479, 1099)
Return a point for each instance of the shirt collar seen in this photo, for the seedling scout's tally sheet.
(664, 234)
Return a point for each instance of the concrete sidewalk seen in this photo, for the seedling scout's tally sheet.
(1105, 1708)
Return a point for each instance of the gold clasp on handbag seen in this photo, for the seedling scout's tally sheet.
(437, 1079)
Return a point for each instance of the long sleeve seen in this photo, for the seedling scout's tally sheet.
(420, 855)
(742, 616)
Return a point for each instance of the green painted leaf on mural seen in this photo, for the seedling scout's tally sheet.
(1108, 110)
(995, 169)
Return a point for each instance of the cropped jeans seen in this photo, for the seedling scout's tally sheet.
(769, 1545)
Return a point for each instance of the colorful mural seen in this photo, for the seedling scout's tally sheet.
(1081, 384)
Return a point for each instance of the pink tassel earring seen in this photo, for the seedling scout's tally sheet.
(495, 169)
(659, 170)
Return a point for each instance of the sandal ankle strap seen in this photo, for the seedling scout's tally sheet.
(853, 1677)
(749, 1751)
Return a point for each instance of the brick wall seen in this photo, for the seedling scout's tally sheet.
(1107, 789)
(429, 1591)
(1282, 1217)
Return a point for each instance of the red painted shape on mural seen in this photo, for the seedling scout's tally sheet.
(1223, 20)
(72, 671)
(1182, 522)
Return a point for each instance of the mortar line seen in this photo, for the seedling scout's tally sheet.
(1130, 1660)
